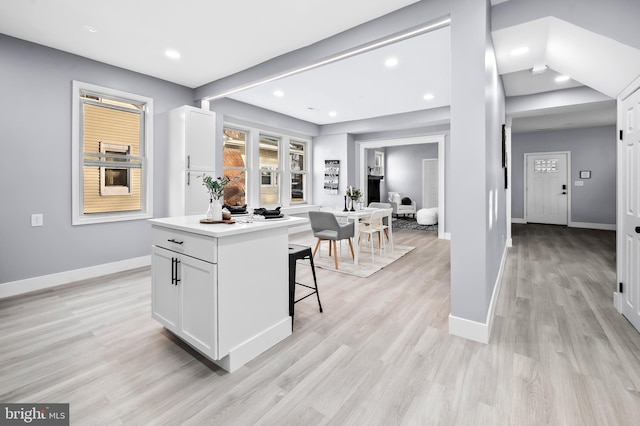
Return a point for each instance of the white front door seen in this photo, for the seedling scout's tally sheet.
(546, 188)
(629, 208)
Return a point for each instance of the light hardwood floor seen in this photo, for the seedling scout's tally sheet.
(380, 354)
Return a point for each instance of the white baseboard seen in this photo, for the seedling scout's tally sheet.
(517, 220)
(509, 242)
(477, 331)
(14, 288)
(468, 329)
(601, 226)
(617, 301)
(256, 345)
(447, 236)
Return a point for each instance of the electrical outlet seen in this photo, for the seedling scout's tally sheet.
(37, 219)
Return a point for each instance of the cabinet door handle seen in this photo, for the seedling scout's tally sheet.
(188, 161)
(173, 240)
(188, 178)
(174, 271)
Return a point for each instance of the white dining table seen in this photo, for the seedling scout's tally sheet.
(356, 216)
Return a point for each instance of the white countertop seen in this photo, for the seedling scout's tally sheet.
(220, 230)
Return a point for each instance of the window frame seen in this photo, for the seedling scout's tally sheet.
(274, 173)
(254, 172)
(304, 172)
(78, 162)
(247, 158)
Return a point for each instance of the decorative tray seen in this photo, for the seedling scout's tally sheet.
(210, 221)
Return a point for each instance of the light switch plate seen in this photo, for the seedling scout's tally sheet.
(579, 183)
(37, 219)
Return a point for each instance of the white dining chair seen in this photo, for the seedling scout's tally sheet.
(374, 225)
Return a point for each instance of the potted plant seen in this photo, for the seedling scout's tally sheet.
(354, 194)
(215, 187)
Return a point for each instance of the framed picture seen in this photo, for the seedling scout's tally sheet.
(585, 174)
(331, 176)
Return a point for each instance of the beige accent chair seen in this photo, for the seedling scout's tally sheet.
(395, 198)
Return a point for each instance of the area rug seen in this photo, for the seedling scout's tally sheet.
(365, 267)
(405, 222)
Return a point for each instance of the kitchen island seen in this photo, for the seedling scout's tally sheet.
(222, 288)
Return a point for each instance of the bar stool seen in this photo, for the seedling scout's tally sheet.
(298, 252)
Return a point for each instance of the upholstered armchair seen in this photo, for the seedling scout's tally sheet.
(395, 198)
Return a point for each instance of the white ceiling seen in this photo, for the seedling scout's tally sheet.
(217, 39)
(362, 86)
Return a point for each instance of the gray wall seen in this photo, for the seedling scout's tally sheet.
(477, 195)
(35, 118)
(332, 147)
(403, 169)
(591, 149)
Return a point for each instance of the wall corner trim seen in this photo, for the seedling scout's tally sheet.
(15, 288)
(468, 329)
(478, 331)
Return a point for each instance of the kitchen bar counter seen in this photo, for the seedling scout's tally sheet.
(222, 288)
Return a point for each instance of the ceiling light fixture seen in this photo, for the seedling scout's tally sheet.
(519, 51)
(562, 78)
(89, 29)
(436, 25)
(428, 96)
(278, 93)
(173, 54)
(332, 113)
(391, 62)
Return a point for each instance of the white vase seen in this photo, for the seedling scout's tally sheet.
(215, 210)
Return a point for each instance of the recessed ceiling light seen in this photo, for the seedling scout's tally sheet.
(428, 96)
(278, 93)
(391, 62)
(519, 51)
(173, 54)
(332, 113)
(562, 78)
(89, 29)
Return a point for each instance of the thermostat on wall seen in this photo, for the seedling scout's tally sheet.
(585, 174)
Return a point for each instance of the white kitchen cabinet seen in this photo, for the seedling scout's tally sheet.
(223, 289)
(183, 292)
(192, 146)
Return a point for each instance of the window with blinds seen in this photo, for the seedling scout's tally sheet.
(112, 167)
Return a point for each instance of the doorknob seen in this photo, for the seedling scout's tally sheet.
(637, 229)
